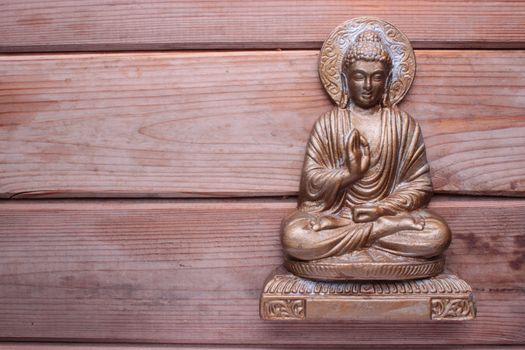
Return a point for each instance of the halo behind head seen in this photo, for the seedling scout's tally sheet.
(370, 39)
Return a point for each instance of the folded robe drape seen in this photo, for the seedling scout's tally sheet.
(398, 180)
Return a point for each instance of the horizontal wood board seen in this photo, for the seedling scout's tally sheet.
(67, 25)
(102, 346)
(191, 271)
(235, 123)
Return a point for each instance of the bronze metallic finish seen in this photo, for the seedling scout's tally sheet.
(365, 181)
(441, 298)
(361, 214)
(335, 269)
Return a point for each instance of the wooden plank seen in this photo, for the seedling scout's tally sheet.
(191, 272)
(235, 123)
(66, 25)
(76, 346)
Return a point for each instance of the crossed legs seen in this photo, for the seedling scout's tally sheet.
(419, 233)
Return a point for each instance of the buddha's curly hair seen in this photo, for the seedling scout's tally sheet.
(368, 46)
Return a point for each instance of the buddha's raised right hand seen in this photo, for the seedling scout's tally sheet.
(357, 155)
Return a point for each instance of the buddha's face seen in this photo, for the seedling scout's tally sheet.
(366, 82)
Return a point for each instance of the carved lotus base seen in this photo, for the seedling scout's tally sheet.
(443, 297)
(369, 264)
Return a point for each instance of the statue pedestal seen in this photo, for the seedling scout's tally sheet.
(367, 265)
(443, 297)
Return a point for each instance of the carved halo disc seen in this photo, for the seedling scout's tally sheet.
(335, 47)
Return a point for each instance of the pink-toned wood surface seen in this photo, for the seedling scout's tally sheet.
(191, 272)
(60, 25)
(77, 346)
(235, 123)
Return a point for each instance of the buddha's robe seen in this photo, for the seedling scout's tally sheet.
(397, 180)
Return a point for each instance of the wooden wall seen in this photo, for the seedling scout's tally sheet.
(148, 151)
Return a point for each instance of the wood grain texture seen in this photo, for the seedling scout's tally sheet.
(88, 346)
(29, 26)
(235, 123)
(191, 272)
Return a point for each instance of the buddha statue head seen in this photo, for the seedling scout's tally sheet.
(366, 71)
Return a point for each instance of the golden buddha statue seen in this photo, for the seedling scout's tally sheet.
(365, 180)
(361, 244)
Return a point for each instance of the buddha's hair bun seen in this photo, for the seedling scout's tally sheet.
(368, 46)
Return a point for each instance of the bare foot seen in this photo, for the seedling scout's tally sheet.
(419, 221)
(328, 222)
(387, 225)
